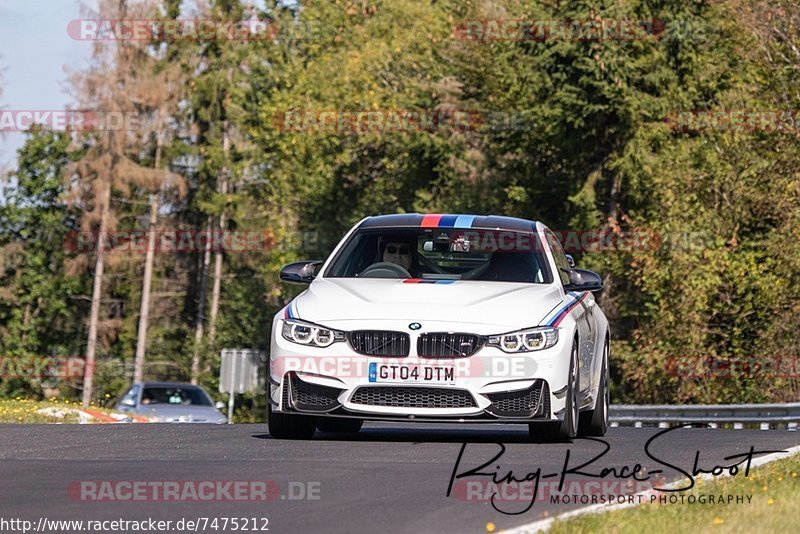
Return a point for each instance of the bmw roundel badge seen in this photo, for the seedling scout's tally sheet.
(415, 326)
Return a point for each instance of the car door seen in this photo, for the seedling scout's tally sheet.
(587, 328)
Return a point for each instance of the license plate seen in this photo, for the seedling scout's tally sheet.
(397, 373)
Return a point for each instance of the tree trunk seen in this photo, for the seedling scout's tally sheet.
(201, 307)
(26, 321)
(218, 255)
(94, 314)
(216, 288)
(144, 308)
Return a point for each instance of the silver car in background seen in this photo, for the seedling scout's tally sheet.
(171, 402)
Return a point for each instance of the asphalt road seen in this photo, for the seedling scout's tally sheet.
(389, 477)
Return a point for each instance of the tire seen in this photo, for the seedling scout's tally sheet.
(567, 429)
(339, 426)
(595, 422)
(286, 426)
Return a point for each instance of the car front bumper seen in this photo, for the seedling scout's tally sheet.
(489, 386)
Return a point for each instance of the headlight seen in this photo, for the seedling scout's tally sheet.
(527, 340)
(310, 334)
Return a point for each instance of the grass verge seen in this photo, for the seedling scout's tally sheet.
(28, 411)
(775, 491)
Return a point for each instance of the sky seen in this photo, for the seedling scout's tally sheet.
(34, 51)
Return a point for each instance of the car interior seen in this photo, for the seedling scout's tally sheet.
(444, 256)
(166, 395)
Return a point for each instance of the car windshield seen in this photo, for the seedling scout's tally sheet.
(442, 254)
(183, 395)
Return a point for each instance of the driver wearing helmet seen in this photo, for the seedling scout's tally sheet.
(400, 251)
(397, 252)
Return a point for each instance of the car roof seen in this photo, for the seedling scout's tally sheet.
(450, 220)
(169, 384)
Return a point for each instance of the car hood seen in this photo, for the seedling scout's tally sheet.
(181, 413)
(328, 301)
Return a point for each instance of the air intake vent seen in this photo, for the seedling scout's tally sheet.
(413, 397)
(311, 397)
(523, 403)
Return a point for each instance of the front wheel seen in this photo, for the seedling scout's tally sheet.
(595, 422)
(289, 426)
(567, 429)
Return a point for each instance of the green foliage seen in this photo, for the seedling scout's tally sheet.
(38, 298)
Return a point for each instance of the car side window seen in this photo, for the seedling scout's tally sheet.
(559, 257)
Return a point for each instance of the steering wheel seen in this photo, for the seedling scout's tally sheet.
(384, 269)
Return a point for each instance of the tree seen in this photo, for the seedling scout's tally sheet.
(159, 95)
(39, 309)
(217, 84)
(113, 85)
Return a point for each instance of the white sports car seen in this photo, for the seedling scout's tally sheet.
(441, 318)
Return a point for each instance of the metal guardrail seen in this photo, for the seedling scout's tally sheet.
(765, 415)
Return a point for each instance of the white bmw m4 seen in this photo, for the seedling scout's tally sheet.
(441, 318)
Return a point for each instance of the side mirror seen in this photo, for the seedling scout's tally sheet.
(570, 261)
(219, 405)
(301, 272)
(583, 280)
